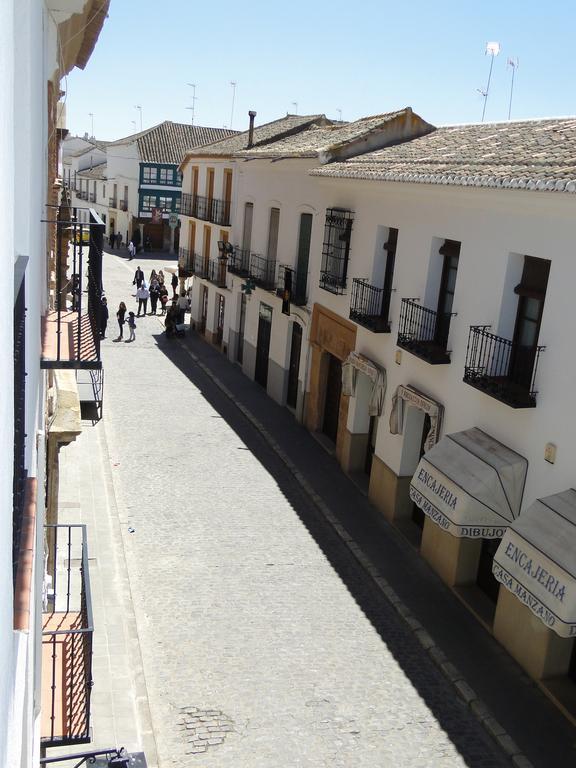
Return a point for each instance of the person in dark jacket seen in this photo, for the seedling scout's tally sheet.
(120, 316)
(154, 295)
(174, 284)
(138, 278)
(103, 317)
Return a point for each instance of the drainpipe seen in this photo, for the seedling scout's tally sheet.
(252, 115)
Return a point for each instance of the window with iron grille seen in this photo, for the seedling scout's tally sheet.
(336, 249)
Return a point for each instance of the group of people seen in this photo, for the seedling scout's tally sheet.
(157, 292)
(115, 239)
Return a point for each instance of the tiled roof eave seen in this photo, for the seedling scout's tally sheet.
(488, 182)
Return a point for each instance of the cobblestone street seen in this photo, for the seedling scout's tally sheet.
(263, 641)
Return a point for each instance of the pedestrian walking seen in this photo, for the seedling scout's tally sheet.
(154, 295)
(104, 314)
(132, 327)
(153, 276)
(120, 315)
(174, 284)
(131, 250)
(161, 278)
(142, 294)
(112, 239)
(163, 293)
(182, 306)
(138, 277)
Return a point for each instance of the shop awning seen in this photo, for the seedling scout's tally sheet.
(470, 485)
(536, 561)
(357, 363)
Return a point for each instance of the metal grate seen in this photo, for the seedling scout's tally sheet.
(336, 249)
(424, 332)
(369, 306)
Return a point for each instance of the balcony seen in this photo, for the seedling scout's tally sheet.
(71, 330)
(332, 281)
(239, 262)
(424, 332)
(123, 205)
(293, 282)
(82, 195)
(67, 630)
(185, 263)
(206, 209)
(112, 202)
(92, 197)
(217, 272)
(369, 306)
(501, 368)
(201, 264)
(262, 271)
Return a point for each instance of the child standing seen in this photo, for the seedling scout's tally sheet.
(132, 326)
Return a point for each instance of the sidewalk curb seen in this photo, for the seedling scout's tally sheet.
(143, 713)
(452, 674)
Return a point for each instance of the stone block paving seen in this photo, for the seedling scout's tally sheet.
(254, 619)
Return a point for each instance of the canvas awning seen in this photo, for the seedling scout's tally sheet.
(470, 485)
(536, 561)
(356, 363)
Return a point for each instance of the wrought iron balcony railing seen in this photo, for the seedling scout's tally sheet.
(123, 205)
(92, 197)
(263, 271)
(293, 282)
(112, 202)
(217, 272)
(200, 265)
(71, 330)
(424, 332)
(369, 306)
(185, 263)
(332, 281)
(206, 209)
(501, 368)
(67, 630)
(239, 262)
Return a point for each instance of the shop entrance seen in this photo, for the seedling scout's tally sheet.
(485, 578)
(204, 312)
(220, 303)
(263, 345)
(371, 447)
(332, 398)
(294, 366)
(417, 514)
(241, 324)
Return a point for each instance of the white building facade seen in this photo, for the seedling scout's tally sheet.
(430, 348)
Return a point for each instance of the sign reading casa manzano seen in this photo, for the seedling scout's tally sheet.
(470, 485)
(536, 561)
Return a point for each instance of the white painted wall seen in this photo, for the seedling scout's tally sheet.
(492, 226)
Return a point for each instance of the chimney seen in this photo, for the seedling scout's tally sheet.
(252, 115)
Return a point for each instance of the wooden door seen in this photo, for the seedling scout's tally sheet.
(227, 193)
(451, 252)
(332, 398)
(206, 247)
(263, 345)
(294, 366)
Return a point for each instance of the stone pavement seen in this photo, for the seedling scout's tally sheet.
(263, 640)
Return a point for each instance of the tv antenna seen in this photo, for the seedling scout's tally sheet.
(492, 50)
(233, 83)
(193, 107)
(513, 64)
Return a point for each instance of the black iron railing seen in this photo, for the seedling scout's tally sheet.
(424, 332)
(67, 634)
(123, 205)
(220, 213)
(336, 250)
(293, 282)
(185, 263)
(239, 262)
(186, 204)
(369, 306)
(19, 467)
(112, 202)
(75, 321)
(501, 368)
(217, 272)
(262, 271)
(200, 265)
(92, 197)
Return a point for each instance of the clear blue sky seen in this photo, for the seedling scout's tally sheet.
(362, 58)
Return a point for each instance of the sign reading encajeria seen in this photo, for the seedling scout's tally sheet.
(531, 578)
(444, 504)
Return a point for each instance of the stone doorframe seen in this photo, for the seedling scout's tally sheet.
(330, 334)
